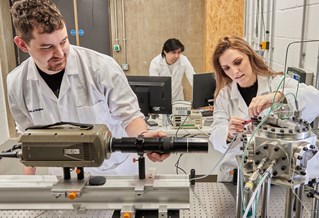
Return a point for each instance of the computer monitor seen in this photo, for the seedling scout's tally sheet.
(204, 85)
(154, 93)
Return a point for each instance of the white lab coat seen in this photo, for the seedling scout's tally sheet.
(159, 67)
(94, 90)
(230, 103)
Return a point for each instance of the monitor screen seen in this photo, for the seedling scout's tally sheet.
(204, 85)
(154, 93)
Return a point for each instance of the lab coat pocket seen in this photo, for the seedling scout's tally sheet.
(93, 114)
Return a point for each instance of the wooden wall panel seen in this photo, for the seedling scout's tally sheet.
(150, 23)
(7, 56)
(222, 18)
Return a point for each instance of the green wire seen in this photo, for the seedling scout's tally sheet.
(273, 107)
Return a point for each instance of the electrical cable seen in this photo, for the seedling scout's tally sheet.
(257, 190)
(273, 107)
(286, 55)
(169, 120)
(178, 167)
(230, 145)
(301, 202)
(13, 148)
(203, 132)
(9, 154)
(262, 19)
(181, 125)
(177, 162)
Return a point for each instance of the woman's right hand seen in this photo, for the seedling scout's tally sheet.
(236, 125)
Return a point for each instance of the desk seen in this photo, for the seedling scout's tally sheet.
(206, 200)
(203, 163)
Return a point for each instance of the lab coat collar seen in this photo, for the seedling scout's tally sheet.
(164, 64)
(236, 96)
(72, 65)
(263, 88)
(70, 69)
(33, 73)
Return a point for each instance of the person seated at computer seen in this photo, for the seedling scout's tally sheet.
(172, 63)
(245, 87)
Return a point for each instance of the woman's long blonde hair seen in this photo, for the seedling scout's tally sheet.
(258, 65)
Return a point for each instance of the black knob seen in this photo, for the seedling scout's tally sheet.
(192, 176)
(257, 152)
(283, 168)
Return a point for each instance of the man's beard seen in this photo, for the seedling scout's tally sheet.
(57, 67)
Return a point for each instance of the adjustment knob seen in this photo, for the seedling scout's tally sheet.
(72, 195)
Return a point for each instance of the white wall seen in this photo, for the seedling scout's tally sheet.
(4, 132)
(285, 26)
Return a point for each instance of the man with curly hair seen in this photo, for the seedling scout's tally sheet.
(62, 82)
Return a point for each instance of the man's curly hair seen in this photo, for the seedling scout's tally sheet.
(30, 14)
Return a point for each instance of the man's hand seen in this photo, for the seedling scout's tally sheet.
(156, 157)
(29, 170)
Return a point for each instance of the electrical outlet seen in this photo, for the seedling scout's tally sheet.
(117, 48)
(125, 67)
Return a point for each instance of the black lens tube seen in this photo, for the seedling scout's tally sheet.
(164, 145)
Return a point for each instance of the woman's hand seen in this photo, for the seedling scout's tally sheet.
(259, 103)
(235, 126)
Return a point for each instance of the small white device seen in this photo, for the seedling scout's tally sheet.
(185, 117)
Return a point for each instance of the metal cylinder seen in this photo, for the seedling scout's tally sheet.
(160, 145)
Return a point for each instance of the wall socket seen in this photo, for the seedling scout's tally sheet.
(125, 67)
(117, 48)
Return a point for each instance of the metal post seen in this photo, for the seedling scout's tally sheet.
(239, 191)
(300, 192)
(289, 203)
(315, 202)
(302, 50)
(266, 194)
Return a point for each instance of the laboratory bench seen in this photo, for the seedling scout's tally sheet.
(207, 199)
